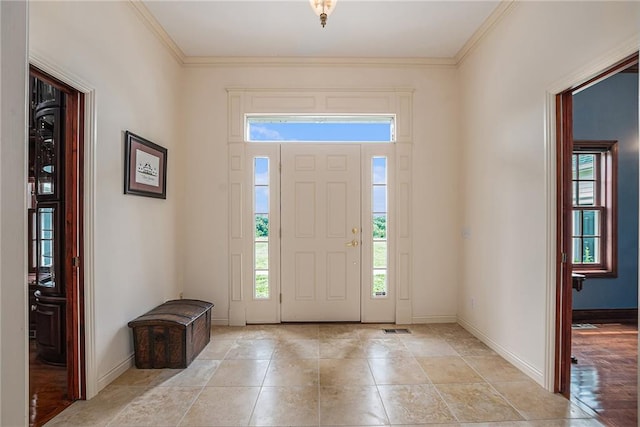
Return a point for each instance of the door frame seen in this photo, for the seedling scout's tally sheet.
(73, 242)
(86, 385)
(244, 102)
(563, 266)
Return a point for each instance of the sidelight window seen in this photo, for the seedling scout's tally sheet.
(379, 211)
(261, 288)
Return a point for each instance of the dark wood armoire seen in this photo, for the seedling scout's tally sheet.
(45, 221)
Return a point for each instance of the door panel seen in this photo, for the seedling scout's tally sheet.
(320, 208)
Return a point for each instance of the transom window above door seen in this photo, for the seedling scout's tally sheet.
(320, 128)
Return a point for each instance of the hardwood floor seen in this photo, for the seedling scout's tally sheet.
(47, 389)
(605, 377)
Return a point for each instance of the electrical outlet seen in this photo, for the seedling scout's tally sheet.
(180, 295)
(473, 303)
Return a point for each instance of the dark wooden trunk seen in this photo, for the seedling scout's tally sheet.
(172, 334)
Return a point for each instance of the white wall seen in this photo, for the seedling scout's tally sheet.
(13, 267)
(136, 82)
(435, 178)
(503, 85)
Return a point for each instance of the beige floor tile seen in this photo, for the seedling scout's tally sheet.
(297, 332)
(477, 403)
(260, 332)
(385, 348)
(100, 410)
(260, 349)
(470, 347)
(535, 403)
(145, 377)
(374, 332)
(449, 330)
(414, 404)
(336, 372)
(297, 349)
(351, 405)
(495, 368)
(428, 347)
(292, 372)
(338, 331)
(286, 375)
(239, 373)
(160, 406)
(397, 371)
(418, 331)
(216, 349)
(286, 406)
(227, 332)
(222, 406)
(433, 425)
(196, 375)
(541, 423)
(446, 370)
(342, 349)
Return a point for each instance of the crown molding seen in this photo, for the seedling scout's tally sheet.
(496, 16)
(230, 61)
(207, 61)
(322, 89)
(154, 26)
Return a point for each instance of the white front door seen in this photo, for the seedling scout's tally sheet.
(321, 239)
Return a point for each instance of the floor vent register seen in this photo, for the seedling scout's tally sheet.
(396, 331)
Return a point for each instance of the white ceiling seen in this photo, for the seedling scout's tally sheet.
(290, 28)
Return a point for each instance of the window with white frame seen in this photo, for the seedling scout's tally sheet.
(261, 288)
(324, 128)
(379, 210)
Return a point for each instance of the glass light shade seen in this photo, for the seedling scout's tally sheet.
(323, 6)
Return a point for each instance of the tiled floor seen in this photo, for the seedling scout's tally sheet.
(331, 374)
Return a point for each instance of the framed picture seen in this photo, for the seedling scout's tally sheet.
(145, 167)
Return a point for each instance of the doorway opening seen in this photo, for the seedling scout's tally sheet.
(597, 216)
(55, 278)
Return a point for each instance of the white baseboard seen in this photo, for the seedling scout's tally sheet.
(434, 319)
(525, 367)
(220, 322)
(115, 372)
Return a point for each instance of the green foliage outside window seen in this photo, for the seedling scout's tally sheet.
(587, 255)
(262, 286)
(262, 226)
(379, 227)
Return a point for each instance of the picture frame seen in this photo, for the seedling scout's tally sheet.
(145, 167)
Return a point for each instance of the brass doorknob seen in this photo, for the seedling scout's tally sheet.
(352, 243)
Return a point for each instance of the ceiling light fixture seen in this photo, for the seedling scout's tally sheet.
(323, 9)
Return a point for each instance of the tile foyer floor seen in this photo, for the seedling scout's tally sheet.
(331, 374)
